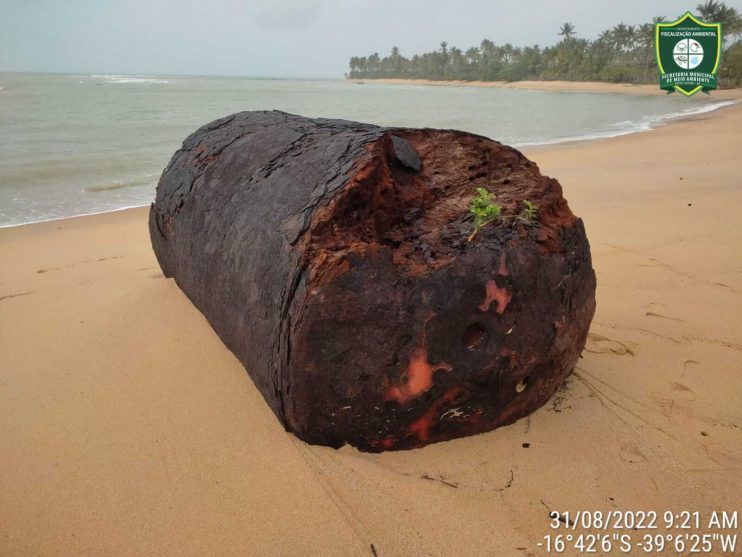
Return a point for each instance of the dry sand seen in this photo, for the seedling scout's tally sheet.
(127, 428)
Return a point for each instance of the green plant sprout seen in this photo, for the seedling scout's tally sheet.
(484, 210)
(529, 213)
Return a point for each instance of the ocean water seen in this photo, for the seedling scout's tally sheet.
(81, 144)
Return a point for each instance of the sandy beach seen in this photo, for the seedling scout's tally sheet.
(127, 428)
(554, 86)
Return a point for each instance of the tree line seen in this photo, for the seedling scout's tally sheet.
(624, 53)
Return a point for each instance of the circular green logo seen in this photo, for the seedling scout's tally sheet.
(688, 54)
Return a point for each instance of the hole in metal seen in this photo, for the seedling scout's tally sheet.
(474, 336)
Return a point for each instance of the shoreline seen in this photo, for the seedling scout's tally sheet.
(80, 216)
(602, 87)
(708, 112)
(708, 106)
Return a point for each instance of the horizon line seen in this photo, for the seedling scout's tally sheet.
(125, 74)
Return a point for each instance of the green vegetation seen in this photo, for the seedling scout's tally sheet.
(731, 65)
(529, 212)
(484, 210)
(624, 53)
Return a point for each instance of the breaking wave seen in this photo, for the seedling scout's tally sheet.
(121, 79)
(624, 127)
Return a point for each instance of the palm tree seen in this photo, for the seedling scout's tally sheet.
(373, 63)
(458, 62)
(472, 55)
(646, 41)
(487, 49)
(713, 11)
(607, 39)
(566, 30)
(444, 58)
(507, 52)
(396, 61)
(602, 51)
(708, 10)
(624, 37)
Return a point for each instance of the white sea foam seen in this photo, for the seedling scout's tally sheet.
(119, 79)
(53, 219)
(626, 127)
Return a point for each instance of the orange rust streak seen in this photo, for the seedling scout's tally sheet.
(502, 270)
(495, 294)
(419, 377)
(421, 427)
(387, 442)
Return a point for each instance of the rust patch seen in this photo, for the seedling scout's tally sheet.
(382, 444)
(406, 214)
(494, 293)
(333, 271)
(418, 377)
(502, 270)
(420, 428)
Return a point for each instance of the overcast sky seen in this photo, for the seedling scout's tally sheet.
(282, 38)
